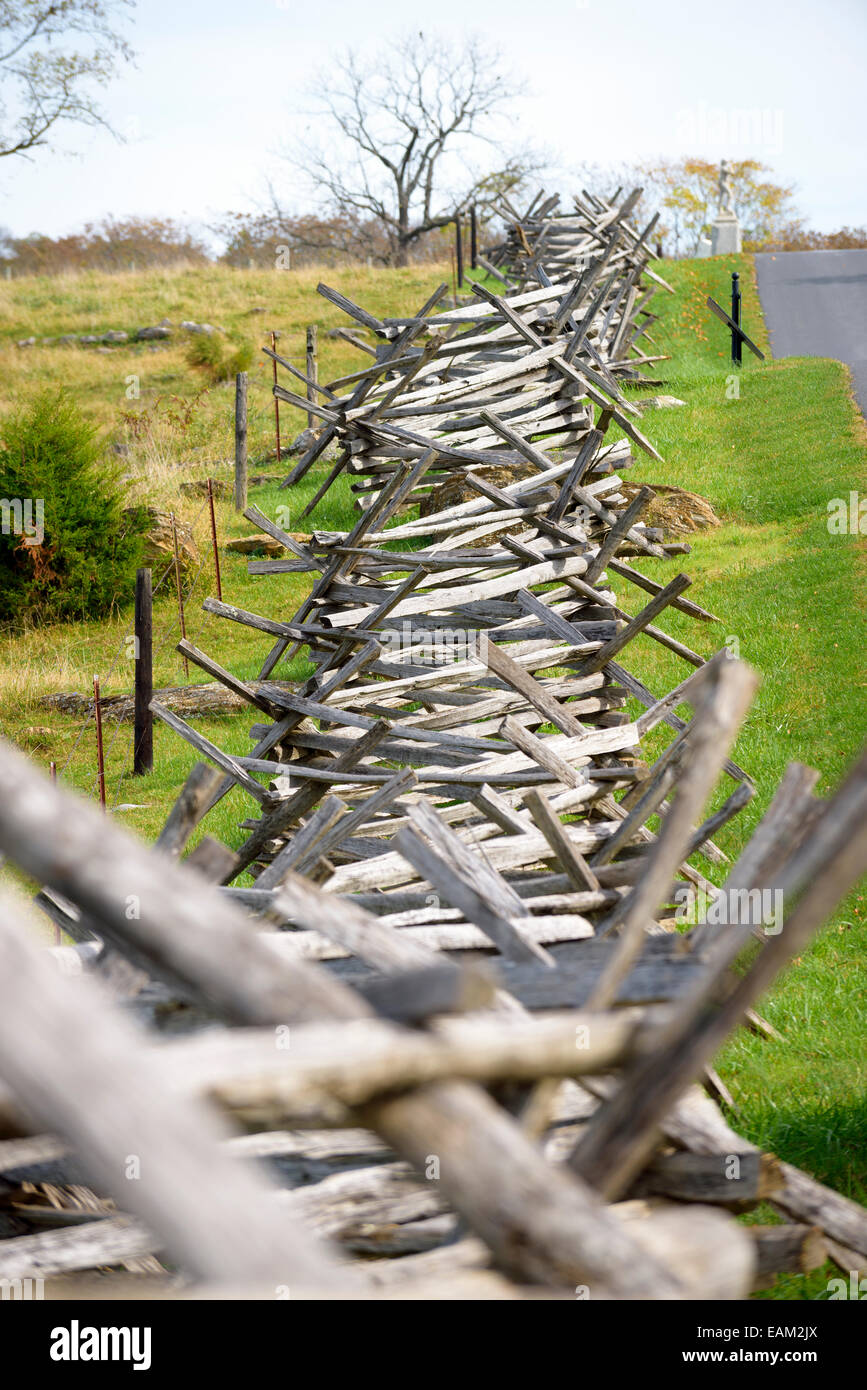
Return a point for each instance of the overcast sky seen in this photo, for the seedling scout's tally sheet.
(215, 83)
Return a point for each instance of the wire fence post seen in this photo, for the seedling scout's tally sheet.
(459, 251)
(143, 720)
(214, 541)
(276, 401)
(474, 238)
(241, 441)
(178, 588)
(100, 759)
(312, 370)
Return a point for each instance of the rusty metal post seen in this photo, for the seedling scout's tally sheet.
(214, 541)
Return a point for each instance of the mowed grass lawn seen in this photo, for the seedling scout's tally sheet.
(792, 596)
(769, 448)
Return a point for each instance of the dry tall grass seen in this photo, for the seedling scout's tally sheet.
(146, 396)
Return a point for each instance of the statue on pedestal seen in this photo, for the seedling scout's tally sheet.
(726, 192)
(725, 236)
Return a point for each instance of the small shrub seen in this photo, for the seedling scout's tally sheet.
(66, 550)
(217, 358)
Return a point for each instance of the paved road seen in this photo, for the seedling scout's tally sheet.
(815, 305)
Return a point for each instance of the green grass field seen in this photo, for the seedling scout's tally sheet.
(793, 598)
(768, 448)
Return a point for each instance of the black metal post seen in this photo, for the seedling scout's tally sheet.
(459, 251)
(737, 344)
(143, 720)
(474, 238)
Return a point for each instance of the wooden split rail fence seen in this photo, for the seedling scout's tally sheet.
(438, 986)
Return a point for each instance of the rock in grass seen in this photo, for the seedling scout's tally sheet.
(303, 441)
(658, 403)
(265, 479)
(306, 439)
(199, 488)
(158, 543)
(210, 698)
(260, 544)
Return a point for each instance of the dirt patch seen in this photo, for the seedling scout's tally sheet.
(455, 488)
(675, 511)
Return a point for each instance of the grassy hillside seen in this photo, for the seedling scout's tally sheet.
(793, 597)
(769, 449)
(248, 304)
(175, 431)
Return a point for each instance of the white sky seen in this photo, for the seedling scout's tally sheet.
(212, 96)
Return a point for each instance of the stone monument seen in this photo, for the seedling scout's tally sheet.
(725, 235)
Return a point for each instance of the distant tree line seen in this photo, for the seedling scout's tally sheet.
(283, 241)
(140, 243)
(269, 241)
(261, 240)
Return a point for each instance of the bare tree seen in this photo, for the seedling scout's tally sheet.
(400, 130)
(53, 55)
